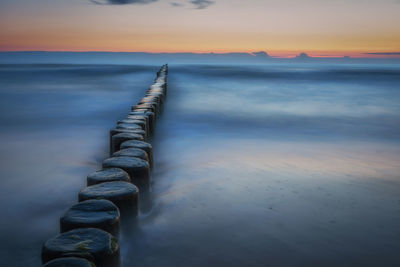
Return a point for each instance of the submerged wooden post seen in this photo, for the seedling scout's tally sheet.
(93, 213)
(92, 243)
(123, 194)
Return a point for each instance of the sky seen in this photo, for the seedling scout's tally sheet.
(283, 28)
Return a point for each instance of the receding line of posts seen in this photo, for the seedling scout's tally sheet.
(89, 229)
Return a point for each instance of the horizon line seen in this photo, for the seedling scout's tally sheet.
(280, 54)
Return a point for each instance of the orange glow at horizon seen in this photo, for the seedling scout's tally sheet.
(271, 53)
(281, 28)
(93, 43)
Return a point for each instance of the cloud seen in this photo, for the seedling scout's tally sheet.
(175, 4)
(199, 4)
(384, 53)
(122, 2)
(303, 56)
(261, 54)
(202, 4)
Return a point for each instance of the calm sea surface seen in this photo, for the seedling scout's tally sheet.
(255, 165)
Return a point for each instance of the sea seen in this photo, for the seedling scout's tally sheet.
(275, 164)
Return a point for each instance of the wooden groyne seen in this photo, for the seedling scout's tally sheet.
(89, 229)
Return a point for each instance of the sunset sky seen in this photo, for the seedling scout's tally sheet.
(280, 27)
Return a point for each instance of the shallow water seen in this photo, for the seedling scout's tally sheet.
(255, 165)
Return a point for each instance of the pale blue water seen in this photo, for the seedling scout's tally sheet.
(255, 165)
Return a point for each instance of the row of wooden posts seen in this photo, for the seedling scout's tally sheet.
(90, 228)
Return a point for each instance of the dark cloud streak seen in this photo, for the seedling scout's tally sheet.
(384, 53)
(121, 2)
(202, 4)
(175, 4)
(199, 4)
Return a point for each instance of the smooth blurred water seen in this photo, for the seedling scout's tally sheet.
(255, 165)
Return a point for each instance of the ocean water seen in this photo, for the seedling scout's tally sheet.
(255, 165)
